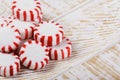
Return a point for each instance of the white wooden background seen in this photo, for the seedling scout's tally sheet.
(94, 28)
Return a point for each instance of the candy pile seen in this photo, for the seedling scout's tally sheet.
(25, 38)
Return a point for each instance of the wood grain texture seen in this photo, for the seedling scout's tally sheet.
(90, 28)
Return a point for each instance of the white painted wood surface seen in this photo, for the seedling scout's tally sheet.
(94, 28)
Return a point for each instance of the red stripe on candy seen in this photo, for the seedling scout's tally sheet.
(30, 41)
(62, 52)
(13, 9)
(62, 33)
(11, 70)
(9, 48)
(29, 64)
(38, 3)
(5, 71)
(21, 52)
(26, 33)
(49, 41)
(18, 13)
(50, 53)
(36, 66)
(3, 49)
(31, 16)
(14, 2)
(56, 55)
(24, 15)
(42, 64)
(23, 60)
(37, 12)
(18, 37)
(42, 40)
(17, 66)
(39, 7)
(46, 60)
(15, 44)
(36, 35)
(57, 39)
(17, 31)
(68, 50)
(24, 46)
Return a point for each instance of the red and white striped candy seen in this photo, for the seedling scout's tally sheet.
(27, 10)
(9, 38)
(49, 33)
(25, 28)
(19, 47)
(9, 64)
(3, 22)
(61, 51)
(33, 55)
(9, 18)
